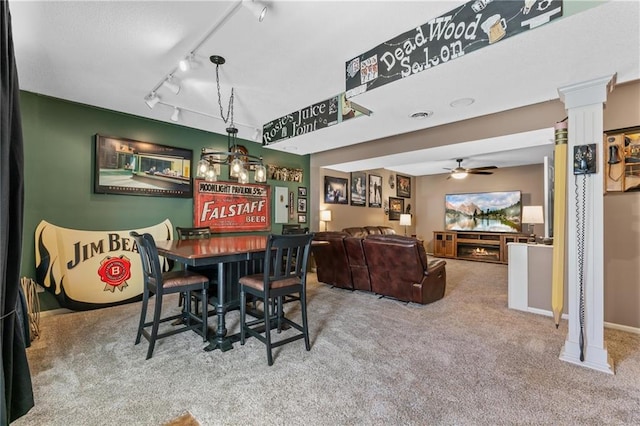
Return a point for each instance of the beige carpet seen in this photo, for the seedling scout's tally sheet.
(464, 360)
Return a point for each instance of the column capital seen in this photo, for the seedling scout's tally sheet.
(587, 92)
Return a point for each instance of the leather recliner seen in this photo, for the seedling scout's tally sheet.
(332, 264)
(399, 268)
(357, 263)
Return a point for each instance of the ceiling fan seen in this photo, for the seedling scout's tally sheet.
(462, 172)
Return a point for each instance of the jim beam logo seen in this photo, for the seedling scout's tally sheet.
(115, 271)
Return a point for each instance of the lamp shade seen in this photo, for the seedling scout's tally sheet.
(405, 219)
(325, 215)
(532, 214)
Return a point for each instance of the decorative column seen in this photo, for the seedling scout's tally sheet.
(584, 344)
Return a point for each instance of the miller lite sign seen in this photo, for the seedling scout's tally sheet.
(92, 269)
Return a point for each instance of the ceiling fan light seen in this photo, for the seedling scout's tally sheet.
(459, 175)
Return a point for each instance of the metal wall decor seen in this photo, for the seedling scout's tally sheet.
(286, 174)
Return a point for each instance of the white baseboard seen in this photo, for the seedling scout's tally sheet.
(611, 325)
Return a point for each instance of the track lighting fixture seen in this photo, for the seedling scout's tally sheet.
(256, 7)
(186, 63)
(152, 100)
(176, 114)
(171, 84)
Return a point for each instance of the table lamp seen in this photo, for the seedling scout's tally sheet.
(325, 216)
(532, 215)
(405, 220)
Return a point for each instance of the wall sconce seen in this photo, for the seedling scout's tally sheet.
(325, 216)
(532, 215)
(405, 220)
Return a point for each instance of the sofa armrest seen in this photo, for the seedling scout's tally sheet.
(433, 283)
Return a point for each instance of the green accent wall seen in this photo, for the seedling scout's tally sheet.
(59, 139)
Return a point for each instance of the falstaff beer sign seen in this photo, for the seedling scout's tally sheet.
(232, 207)
(472, 26)
(92, 269)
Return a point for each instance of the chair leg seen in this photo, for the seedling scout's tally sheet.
(267, 333)
(305, 326)
(143, 314)
(205, 316)
(243, 312)
(155, 325)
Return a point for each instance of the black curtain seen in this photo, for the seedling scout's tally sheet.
(16, 380)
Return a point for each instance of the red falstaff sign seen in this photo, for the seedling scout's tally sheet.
(232, 207)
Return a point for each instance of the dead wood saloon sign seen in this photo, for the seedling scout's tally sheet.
(229, 207)
(470, 27)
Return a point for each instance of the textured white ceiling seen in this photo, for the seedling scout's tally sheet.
(111, 54)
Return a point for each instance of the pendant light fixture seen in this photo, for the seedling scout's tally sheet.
(236, 157)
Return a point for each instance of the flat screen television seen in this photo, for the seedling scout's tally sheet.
(484, 211)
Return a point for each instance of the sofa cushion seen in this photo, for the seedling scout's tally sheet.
(356, 231)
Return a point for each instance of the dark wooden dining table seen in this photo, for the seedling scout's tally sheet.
(235, 256)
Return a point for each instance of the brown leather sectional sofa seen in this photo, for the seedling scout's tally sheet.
(383, 263)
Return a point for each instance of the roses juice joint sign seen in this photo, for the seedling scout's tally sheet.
(469, 27)
(231, 207)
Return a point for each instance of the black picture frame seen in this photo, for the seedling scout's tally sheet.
(129, 167)
(375, 191)
(396, 208)
(359, 189)
(403, 186)
(302, 191)
(302, 205)
(302, 218)
(336, 190)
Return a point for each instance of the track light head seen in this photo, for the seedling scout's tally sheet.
(258, 8)
(152, 99)
(171, 84)
(176, 114)
(186, 63)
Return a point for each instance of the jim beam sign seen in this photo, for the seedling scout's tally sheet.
(92, 269)
(232, 207)
(471, 26)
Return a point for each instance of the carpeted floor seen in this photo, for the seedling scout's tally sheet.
(464, 360)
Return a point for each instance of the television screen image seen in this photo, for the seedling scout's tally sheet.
(484, 211)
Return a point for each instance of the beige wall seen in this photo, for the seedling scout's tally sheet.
(344, 216)
(621, 210)
(529, 180)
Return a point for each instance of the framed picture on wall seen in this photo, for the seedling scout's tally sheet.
(129, 167)
(302, 191)
(302, 205)
(403, 185)
(396, 208)
(335, 190)
(375, 191)
(358, 189)
(302, 218)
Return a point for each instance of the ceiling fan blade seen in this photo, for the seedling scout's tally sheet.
(484, 168)
(478, 172)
